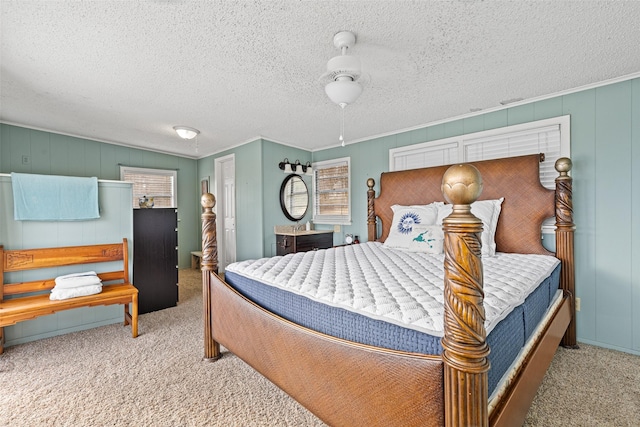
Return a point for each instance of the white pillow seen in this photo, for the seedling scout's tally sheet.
(405, 219)
(428, 239)
(486, 210)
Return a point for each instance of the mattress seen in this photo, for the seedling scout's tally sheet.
(369, 294)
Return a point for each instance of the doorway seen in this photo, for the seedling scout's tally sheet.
(225, 171)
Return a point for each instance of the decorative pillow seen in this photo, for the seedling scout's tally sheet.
(405, 219)
(428, 239)
(489, 212)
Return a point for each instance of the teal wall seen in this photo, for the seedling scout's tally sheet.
(249, 224)
(258, 181)
(272, 155)
(249, 198)
(54, 154)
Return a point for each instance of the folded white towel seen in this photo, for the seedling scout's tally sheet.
(84, 273)
(60, 294)
(76, 280)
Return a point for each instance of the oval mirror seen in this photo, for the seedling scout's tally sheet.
(294, 197)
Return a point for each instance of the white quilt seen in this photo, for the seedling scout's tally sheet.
(404, 288)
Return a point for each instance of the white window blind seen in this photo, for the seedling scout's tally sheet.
(331, 192)
(550, 137)
(433, 155)
(538, 140)
(157, 183)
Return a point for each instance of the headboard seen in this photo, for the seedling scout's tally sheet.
(526, 202)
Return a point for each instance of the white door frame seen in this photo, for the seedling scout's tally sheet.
(221, 203)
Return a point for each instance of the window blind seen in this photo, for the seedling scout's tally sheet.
(331, 185)
(435, 155)
(549, 136)
(152, 183)
(544, 140)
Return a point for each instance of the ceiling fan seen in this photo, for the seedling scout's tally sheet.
(344, 73)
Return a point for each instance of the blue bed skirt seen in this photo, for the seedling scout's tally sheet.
(505, 340)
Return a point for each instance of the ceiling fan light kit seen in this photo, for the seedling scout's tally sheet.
(343, 92)
(344, 71)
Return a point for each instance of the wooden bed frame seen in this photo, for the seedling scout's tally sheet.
(350, 384)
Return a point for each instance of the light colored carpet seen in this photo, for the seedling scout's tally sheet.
(103, 377)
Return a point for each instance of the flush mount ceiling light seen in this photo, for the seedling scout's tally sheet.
(185, 132)
(344, 71)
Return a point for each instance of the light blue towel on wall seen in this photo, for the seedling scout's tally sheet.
(54, 197)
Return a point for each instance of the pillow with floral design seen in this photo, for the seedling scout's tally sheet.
(408, 222)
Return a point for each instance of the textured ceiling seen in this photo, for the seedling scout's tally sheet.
(128, 71)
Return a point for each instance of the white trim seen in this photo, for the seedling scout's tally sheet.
(254, 139)
(95, 139)
(146, 170)
(493, 109)
(476, 113)
(363, 139)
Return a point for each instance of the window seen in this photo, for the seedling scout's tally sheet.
(160, 184)
(550, 136)
(331, 192)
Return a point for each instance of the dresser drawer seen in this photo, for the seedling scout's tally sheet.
(284, 244)
(287, 244)
(314, 242)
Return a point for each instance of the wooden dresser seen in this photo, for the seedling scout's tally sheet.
(302, 241)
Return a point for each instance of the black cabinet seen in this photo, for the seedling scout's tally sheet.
(155, 258)
(287, 243)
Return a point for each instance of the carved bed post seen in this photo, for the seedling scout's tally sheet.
(209, 265)
(466, 390)
(1, 297)
(371, 216)
(564, 242)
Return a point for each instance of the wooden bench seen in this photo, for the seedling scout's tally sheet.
(22, 304)
(195, 259)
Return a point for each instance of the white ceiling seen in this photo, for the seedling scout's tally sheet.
(126, 72)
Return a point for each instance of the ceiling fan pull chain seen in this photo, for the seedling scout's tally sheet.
(342, 105)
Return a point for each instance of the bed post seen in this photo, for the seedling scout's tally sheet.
(1, 296)
(564, 242)
(371, 213)
(209, 266)
(465, 352)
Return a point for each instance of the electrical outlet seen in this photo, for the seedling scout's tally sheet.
(26, 160)
(577, 304)
(336, 228)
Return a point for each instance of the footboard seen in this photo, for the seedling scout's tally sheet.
(340, 382)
